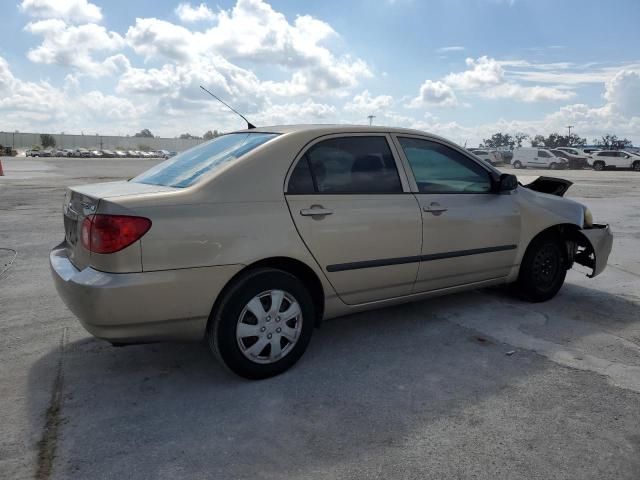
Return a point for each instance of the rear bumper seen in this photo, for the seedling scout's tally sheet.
(140, 307)
(600, 238)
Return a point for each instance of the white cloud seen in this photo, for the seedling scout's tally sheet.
(151, 37)
(528, 94)
(188, 13)
(70, 45)
(252, 31)
(31, 105)
(365, 104)
(434, 93)
(481, 73)
(623, 92)
(451, 49)
(75, 11)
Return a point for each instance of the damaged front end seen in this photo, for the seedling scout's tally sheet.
(592, 246)
(589, 246)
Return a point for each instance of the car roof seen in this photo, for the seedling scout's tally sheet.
(327, 129)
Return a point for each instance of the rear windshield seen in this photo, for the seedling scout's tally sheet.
(187, 167)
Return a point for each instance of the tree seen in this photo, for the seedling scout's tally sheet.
(47, 140)
(520, 137)
(612, 142)
(210, 135)
(186, 136)
(537, 141)
(145, 132)
(556, 140)
(499, 140)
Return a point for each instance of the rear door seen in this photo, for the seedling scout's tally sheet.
(351, 204)
(470, 234)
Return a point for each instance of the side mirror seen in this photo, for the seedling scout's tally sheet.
(507, 183)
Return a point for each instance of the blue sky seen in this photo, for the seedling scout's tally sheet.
(462, 69)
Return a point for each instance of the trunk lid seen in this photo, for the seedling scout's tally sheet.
(84, 200)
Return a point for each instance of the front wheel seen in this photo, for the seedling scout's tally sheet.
(263, 324)
(517, 164)
(553, 166)
(543, 269)
(598, 166)
(636, 166)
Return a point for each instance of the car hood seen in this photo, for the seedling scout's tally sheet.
(549, 185)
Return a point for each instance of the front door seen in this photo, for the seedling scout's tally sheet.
(470, 234)
(353, 210)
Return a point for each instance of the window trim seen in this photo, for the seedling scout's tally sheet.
(492, 173)
(302, 154)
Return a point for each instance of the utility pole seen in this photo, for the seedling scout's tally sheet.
(569, 127)
(371, 117)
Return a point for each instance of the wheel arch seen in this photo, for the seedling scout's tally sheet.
(570, 234)
(287, 264)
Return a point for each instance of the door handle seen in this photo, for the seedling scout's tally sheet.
(435, 209)
(315, 211)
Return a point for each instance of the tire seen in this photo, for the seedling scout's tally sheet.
(553, 166)
(256, 291)
(517, 164)
(636, 166)
(543, 269)
(598, 166)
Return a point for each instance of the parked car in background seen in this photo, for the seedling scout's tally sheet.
(491, 157)
(615, 159)
(107, 153)
(343, 219)
(537, 158)
(575, 161)
(32, 152)
(46, 153)
(82, 152)
(120, 153)
(164, 154)
(96, 154)
(67, 152)
(132, 154)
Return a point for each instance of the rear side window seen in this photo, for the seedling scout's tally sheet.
(188, 167)
(350, 165)
(440, 169)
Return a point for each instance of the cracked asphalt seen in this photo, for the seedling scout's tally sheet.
(474, 385)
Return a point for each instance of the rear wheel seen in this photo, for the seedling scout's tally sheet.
(263, 324)
(599, 166)
(543, 269)
(553, 166)
(517, 164)
(636, 165)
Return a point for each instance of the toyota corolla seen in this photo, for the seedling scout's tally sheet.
(252, 239)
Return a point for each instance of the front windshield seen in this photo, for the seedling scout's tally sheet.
(188, 167)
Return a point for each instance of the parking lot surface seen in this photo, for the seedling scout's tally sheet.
(474, 385)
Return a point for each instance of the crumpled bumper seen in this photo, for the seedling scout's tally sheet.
(599, 241)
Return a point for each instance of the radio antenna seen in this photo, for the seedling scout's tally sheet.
(249, 124)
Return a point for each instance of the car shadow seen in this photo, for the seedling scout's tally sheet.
(368, 384)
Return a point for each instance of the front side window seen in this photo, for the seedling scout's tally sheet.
(188, 167)
(543, 154)
(350, 165)
(441, 169)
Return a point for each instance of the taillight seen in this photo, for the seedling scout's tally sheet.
(112, 233)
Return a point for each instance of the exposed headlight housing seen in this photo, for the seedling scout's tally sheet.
(588, 218)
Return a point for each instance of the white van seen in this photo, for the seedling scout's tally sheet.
(536, 158)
